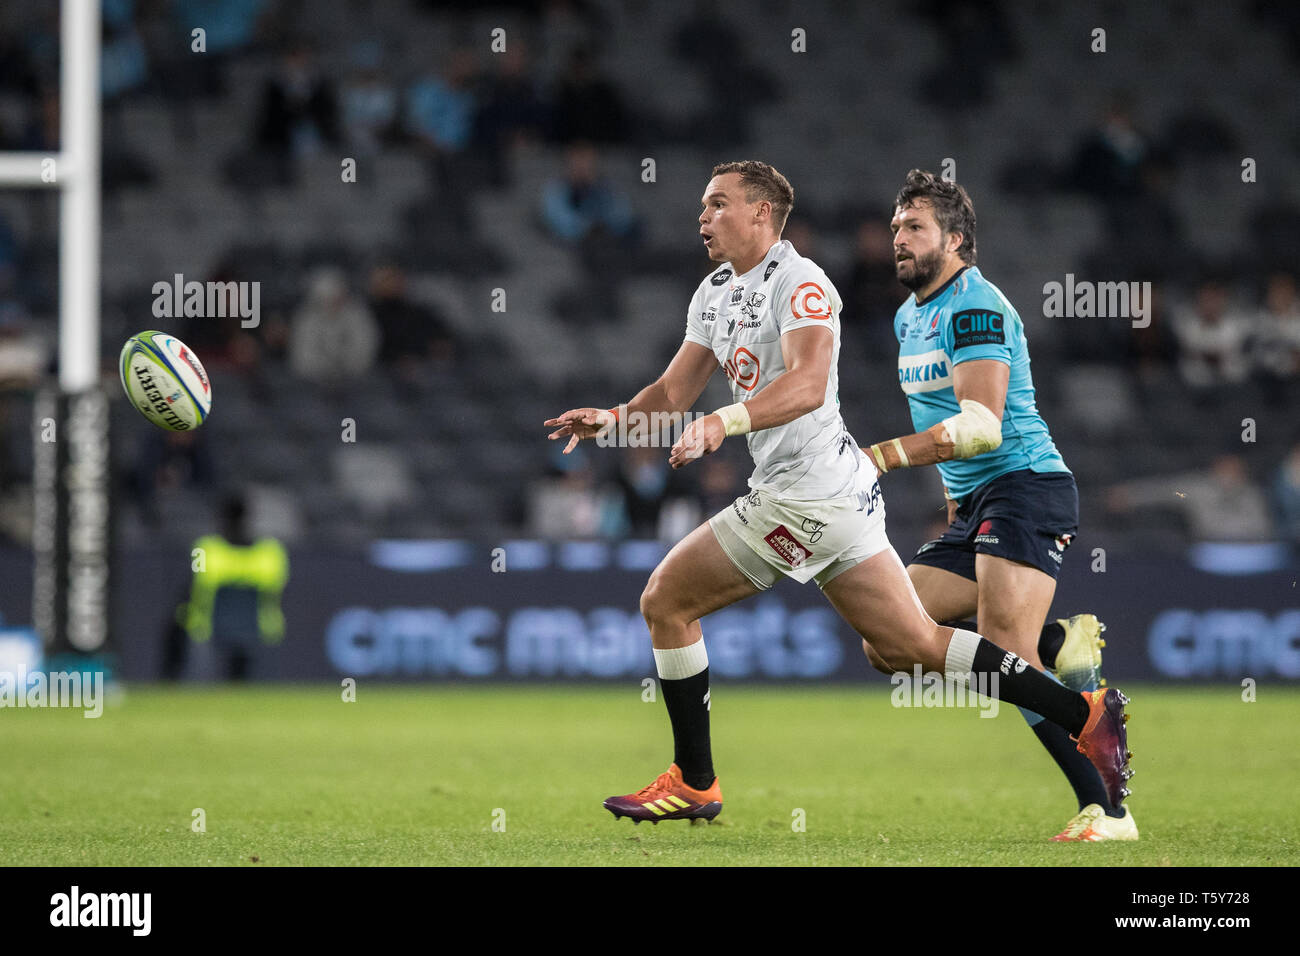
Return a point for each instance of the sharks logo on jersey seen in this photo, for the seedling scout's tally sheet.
(750, 309)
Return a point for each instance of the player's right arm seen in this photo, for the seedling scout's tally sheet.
(676, 390)
(980, 387)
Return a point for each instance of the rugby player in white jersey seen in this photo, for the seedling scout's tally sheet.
(770, 319)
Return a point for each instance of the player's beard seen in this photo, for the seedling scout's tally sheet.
(924, 270)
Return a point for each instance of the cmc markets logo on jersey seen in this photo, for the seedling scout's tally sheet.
(742, 368)
(763, 640)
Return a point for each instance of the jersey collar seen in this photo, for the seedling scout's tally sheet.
(774, 250)
(943, 288)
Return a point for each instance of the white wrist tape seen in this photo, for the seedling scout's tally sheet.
(735, 418)
(878, 456)
(974, 431)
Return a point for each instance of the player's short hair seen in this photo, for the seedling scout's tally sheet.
(763, 182)
(953, 210)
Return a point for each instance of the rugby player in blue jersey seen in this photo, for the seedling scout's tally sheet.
(1012, 503)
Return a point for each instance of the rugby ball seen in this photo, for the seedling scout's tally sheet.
(165, 380)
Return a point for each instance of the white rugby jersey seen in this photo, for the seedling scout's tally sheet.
(742, 318)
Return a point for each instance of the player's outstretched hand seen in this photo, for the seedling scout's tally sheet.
(699, 438)
(579, 423)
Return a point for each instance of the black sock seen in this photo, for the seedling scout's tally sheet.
(1050, 640)
(1078, 769)
(1018, 683)
(688, 709)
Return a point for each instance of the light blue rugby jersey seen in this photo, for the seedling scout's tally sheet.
(969, 318)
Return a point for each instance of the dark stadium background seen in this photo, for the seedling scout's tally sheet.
(1169, 158)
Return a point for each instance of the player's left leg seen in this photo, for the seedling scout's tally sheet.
(1014, 599)
(694, 579)
(876, 597)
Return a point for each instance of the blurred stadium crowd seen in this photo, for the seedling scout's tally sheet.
(505, 251)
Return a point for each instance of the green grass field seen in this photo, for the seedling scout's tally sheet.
(291, 775)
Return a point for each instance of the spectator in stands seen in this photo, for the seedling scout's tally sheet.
(24, 354)
(1286, 496)
(719, 480)
(1212, 340)
(1152, 351)
(1277, 335)
(646, 484)
(229, 27)
(565, 26)
(1108, 163)
(18, 73)
(510, 111)
(25, 358)
(708, 42)
(43, 128)
(182, 75)
(568, 502)
(167, 462)
(980, 35)
(1221, 505)
(123, 64)
(582, 205)
(217, 339)
(872, 294)
(369, 101)
(411, 333)
(1197, 130)
(9, 256)
(440, 111)
(1285, 20)
(1271, 238)
(588, 107)
(299, 111)
(124, 68)
(333, 337)
(1142, 234)
(409, 330)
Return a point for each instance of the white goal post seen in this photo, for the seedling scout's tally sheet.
(74, 170)
(71, 481)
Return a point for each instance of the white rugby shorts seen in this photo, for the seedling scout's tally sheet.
(767, 537)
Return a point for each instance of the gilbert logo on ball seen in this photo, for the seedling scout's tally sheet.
(165, 380)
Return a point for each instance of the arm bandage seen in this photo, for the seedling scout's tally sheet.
(735, 419)
(974, 431)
